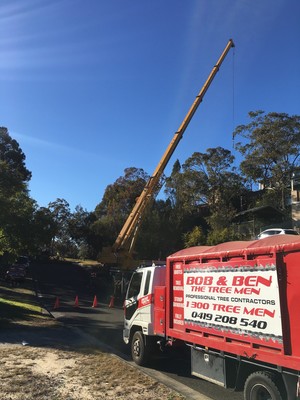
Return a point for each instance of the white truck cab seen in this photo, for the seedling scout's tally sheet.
(139, 309)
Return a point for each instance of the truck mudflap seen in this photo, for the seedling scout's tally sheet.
(208, 366)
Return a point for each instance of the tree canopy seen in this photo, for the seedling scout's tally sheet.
(271, 150)
(118, 200)
(16, 206)
(24, 227)
(14, 175)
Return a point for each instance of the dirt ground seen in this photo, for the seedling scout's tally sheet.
(45, 360)
(34, 373)
(36, 369)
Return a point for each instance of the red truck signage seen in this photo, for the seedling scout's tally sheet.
(243, 299)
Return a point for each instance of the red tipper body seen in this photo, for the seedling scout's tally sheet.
(238, 297)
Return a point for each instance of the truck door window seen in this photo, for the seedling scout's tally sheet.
(135, 284)
(147, 283)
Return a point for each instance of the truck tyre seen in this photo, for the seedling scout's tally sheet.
(261, 386)
(139, 351)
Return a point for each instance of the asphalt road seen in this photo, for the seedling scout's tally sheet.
(68, 293)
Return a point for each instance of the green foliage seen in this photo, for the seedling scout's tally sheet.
(207, 181)
(271, 149)
(62, 244)
(16, 206)
(83, 233)
(118, 201)
(119, 197)
(217, 236)
(13, 173)
(17, 222)
(195, 237)
(220, 215)
(42, 231)
(214, 175)
(158, 235)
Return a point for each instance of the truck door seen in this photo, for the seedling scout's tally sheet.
(131, 299)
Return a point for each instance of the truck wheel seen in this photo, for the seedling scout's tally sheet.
(139, 351)
(261, 386)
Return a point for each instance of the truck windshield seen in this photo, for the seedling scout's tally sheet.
(135, 284)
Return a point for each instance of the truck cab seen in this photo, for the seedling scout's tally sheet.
(139, 308)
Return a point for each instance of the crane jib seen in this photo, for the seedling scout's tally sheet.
(129, 229)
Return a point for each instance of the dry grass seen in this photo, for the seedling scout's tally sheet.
(41, 373)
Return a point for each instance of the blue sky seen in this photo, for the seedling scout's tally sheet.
(91, 87)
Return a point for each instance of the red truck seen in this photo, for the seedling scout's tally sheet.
(236, 305)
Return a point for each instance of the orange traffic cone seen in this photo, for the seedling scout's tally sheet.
(76, 304)
(95, 302)
(112, 302)
(56, 304)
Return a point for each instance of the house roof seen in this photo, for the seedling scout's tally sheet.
(263, 211)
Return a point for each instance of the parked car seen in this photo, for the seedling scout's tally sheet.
(276, 231)
(15, 274)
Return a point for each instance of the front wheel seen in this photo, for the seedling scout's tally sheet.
(139, 351)
(261, 385)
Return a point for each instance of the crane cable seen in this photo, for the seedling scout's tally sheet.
(233, 96)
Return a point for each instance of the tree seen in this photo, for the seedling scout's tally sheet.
(43, 229)
(186, 186)
(271, 151)
(213, 176)
(81, 230)
(15, 224)
(195, 237)
(205, 181)
(16, 206)
(182, 190)
(158, 235)
(173, 185)
(62, 243)
(218, 185)
(118, 201)
(13, 173)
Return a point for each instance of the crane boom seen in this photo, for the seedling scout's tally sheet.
(130, 227)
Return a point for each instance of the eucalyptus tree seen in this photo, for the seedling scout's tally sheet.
(62, 243)
(14, 175)
(118, 201)
(15, 204)
(42, 230)
(218, 185)
(207, 184)
(270, 146)
(159, 235)
(80, 227)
